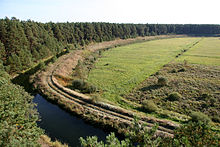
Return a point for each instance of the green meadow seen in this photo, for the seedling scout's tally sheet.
(207, 52)
(121, 69)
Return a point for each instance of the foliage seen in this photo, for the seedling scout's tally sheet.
(149, 106)
(111, 141)
(182, 69)
(191, 134)
(24, 42)
(83, 86)
(199, 116)
(3, 73)
(162, 81)
(174, 96)
(195, 134)
(17, 116)
(78, 84)
(80, 70)
(54, 59)
(42, 65)
(216, 119)
(140, 135)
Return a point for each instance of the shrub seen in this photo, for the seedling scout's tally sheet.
(174, 71)
(83, 86)
(193, 134)
(205, 96)
(42, 65)
(18, 116)
(213, 101)
(174, 96)
(149, 106)
(70, 46)
(216, 119)
(54, 58)
(78, 84)
(3, 81)
(67, 50)
(111, 141)
(200, 117)
(157, 73)
(89, 88)
(182, 70)
(162, 81)
(91, 59)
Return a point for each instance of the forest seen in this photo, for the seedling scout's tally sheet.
(23, 43)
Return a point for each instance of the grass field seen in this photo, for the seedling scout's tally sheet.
(123, 68)
(206, 52)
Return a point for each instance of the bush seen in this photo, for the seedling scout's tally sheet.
(78, 84)
(190, 134)
(216, 119)
(174, 96)
(193, 134)
(18, 116)
(182, 70)
(162, 81)
(149, 106)
(205, 96)
(83, 86)
(89, 89)
(174, 71)
(200, 117)
(42, 65)
(157, 73)
(54, 58)
(213, 101)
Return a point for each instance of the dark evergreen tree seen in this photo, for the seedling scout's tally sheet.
(2, 50)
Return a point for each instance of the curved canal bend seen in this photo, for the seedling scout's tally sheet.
(59, 124)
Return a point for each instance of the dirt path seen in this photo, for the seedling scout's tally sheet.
(47, 83)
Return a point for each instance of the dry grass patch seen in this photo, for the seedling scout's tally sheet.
(45, 141)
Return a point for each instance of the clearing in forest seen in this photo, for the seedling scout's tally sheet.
(121, 69)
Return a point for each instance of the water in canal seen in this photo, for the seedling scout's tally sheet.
(59, 124)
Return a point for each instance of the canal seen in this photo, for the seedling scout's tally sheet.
(61, 125)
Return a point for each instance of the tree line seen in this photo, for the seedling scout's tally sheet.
(23, 43)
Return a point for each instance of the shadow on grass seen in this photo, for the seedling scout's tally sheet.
(151, 87)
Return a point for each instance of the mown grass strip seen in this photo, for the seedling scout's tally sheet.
(207, 52)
